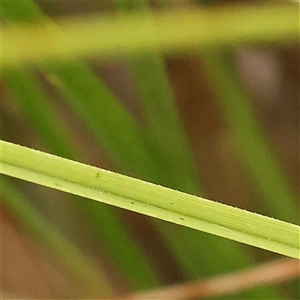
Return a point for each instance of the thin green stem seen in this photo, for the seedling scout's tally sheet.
(152, 200)
(39, 109)
(236, 105)
(162, 121)
(171, 32)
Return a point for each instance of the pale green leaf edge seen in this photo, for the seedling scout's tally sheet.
(149, 199)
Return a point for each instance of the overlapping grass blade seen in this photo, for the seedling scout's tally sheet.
(39, 110)
(35, 103)
(170, 32)
(139, 275)
(277, 194)
(112, 126)
(162, 121)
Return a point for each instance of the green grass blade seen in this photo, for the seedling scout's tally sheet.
(162, 122)
(235, 103)
(78, 264)
(115, 131)
(172, 32)
(38, 108)
(40, 111)
(152, 200)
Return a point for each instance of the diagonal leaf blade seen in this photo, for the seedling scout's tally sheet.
(149, 199)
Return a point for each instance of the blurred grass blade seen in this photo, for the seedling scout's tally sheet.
(171, 32)
(40, 112)
(77, 263)
(277, 194)
(114, 129)
(163, 124)
(165, 129)
(152, 200)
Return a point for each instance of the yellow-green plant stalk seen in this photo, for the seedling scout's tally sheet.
(150, 199)
(171, 32)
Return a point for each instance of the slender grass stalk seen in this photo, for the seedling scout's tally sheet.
(152, 200)
(162, 122)
(172, 32)
(277, 194)
(112, 126)
(38, 108)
